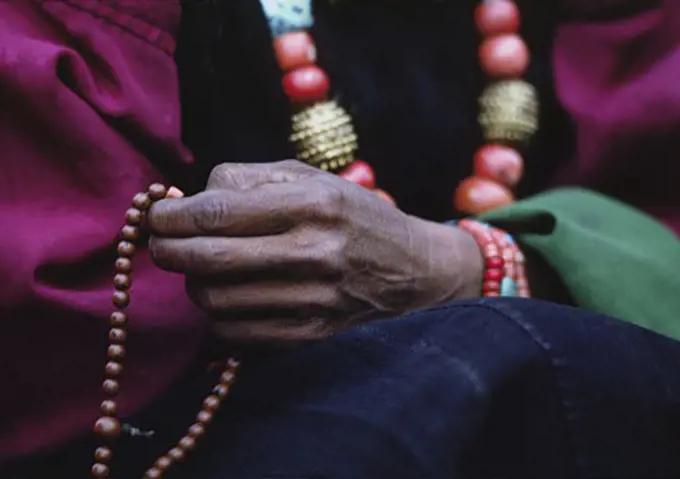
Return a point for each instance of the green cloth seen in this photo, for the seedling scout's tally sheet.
(613, 258)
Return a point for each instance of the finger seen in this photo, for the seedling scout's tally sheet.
(225, 257)
(274, 330)
(244, 176)
(269, 209)
(264, 300)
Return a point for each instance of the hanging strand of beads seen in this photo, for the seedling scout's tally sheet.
(508, 110)
(322, 131)
(108, 427)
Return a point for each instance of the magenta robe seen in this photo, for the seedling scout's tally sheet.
(620, 82)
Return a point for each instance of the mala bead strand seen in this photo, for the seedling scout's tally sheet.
(108, 427)
(508, 110)
(188, 442)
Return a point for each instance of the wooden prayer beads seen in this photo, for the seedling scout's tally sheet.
(108, 426)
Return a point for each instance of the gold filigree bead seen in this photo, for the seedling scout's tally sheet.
(509, 111)
(324, 136)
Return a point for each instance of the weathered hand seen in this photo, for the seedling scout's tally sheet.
(283, 251)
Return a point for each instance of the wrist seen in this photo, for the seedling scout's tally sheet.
(455, 265)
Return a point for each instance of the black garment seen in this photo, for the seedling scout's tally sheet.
(475, 389)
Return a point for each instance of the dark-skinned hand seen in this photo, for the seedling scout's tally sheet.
(286, 252)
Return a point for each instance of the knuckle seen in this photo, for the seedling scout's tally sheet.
(211, 299)
(157, 216)
(160, 251)
(327, 201)
(204, 297)
(212, 214)
(327, 298)
(290, 170)
(327, 255)
(219, 175)
(289, 164)
(239, 176)
(293, 165)
(319, 328)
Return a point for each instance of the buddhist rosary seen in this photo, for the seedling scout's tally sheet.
(108, 427)
(324, 136)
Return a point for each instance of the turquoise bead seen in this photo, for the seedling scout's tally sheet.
(508, 287)
(285, 16)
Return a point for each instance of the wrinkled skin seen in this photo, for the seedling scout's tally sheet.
(283, 252)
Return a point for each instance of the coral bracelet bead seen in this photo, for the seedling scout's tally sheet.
(499, 163)
(477, 195)
(497, 17)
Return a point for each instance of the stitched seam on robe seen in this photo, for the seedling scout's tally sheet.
(125, 21)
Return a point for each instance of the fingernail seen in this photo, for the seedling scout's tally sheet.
(175, 193)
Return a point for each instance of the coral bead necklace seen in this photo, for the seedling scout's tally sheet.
(324, 136)
(323, 133)
(509, 110)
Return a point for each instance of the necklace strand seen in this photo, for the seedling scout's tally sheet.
(323, 133)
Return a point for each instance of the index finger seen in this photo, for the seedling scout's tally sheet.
(266, 210)
(244, 176)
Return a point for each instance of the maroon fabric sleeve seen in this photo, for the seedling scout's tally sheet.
(88, 102)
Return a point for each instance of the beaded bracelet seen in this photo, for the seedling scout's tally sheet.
(505, 274)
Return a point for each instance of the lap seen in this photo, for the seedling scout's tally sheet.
(473, 389)
(508, 388)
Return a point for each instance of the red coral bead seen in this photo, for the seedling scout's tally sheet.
(504, 56)
(306, 85)
(497, 17)
(491, 286)
(361, 173)
(499, 163)
(493, 275)
(295, 50)
(476, 195)
(495, 262)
